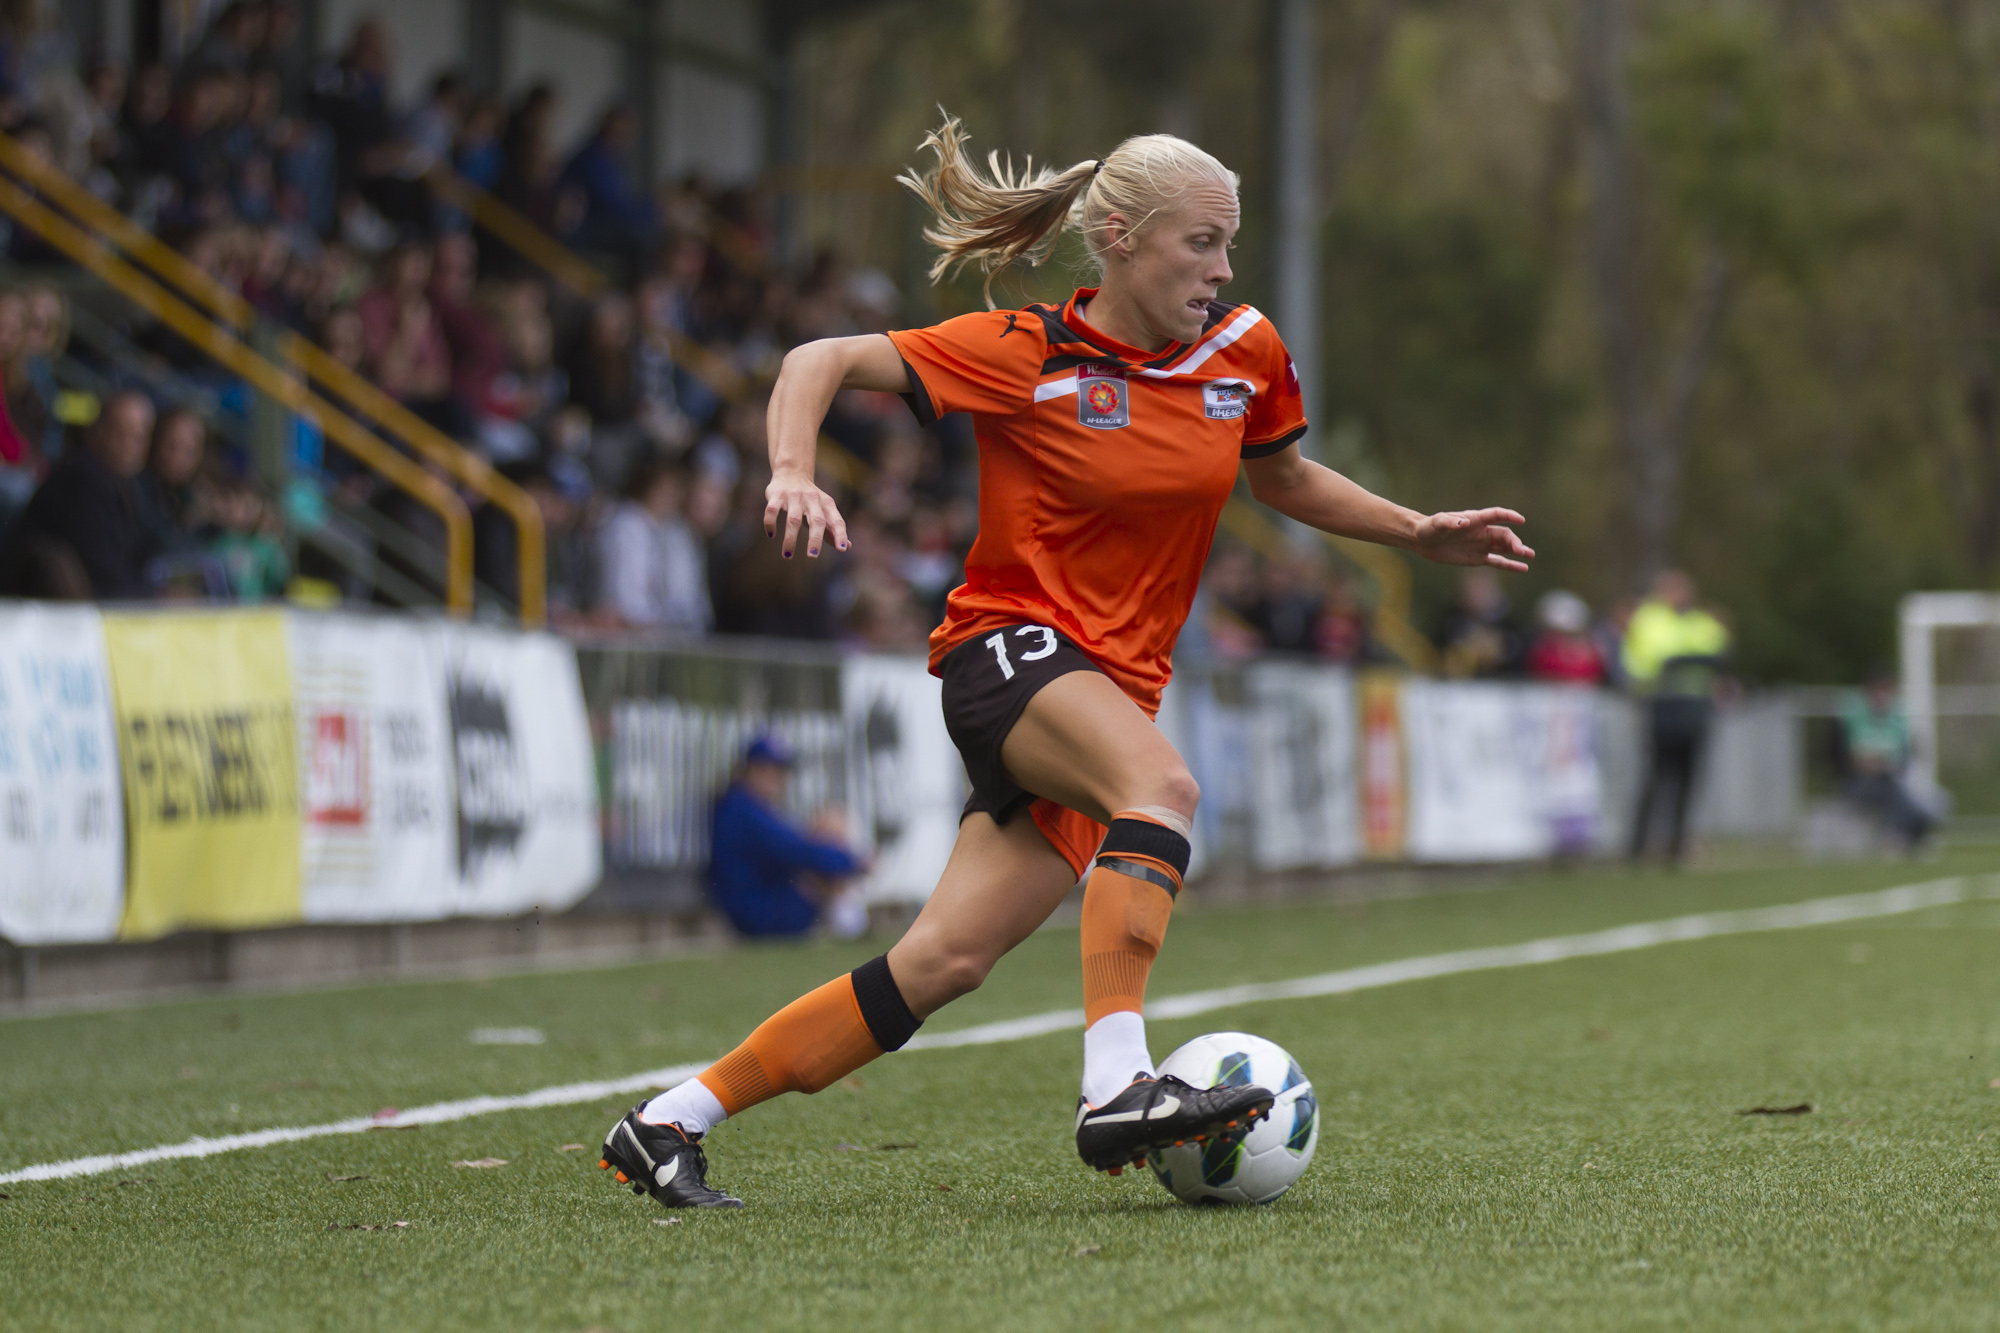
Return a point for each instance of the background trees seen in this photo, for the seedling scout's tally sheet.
(1708, 282)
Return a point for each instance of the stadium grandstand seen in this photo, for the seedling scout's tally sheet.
(464, 260)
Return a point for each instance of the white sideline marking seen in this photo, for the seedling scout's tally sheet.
(1555, 949)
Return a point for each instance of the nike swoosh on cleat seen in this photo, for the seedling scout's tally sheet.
(667, 1172)
(1166, 1107)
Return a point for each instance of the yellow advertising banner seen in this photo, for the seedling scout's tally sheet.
(206, 740)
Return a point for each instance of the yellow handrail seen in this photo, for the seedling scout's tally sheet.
(475, 472)
(219, 343)
(1391, 623)
(555, 258)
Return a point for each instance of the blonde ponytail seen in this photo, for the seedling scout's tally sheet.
(994, 219)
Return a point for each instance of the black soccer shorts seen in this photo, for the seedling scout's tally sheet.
(988, 680)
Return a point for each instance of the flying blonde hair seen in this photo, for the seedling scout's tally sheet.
(996, 218)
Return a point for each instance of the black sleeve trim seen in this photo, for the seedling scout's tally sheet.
(883, 1007)
(919, 398)
(1277, 446)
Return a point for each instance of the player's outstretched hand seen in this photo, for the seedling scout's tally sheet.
(1474, 537)
(800, 501)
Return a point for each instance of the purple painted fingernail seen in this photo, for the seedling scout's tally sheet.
(788, 555)
(814, 551)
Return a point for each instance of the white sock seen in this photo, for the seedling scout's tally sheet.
(691, 1106)
(1114, 1052)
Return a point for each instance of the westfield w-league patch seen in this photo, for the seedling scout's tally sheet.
(1102, 399)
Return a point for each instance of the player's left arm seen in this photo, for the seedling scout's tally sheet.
(1319, 497)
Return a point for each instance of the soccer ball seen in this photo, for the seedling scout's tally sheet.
(1252, 1166)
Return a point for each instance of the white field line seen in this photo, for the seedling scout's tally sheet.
(1620, 939)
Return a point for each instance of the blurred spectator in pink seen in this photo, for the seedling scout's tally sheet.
(408, 355)
(1340, 635)
(476, 342)
(1563, 650)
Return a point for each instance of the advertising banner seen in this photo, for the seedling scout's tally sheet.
(905, 780)
(525, 833)
(208, 749)
(1305, 802)
(375, 769)
(670, 760)
(1471, 783)
(1385, 792)
(1214, 739)
(1567, 779)
(1500, 772)
(62, 830)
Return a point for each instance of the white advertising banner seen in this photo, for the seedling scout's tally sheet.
(1500, 772)
(375, 769)
(1304, 807)
(1568, 778)
(905, 780)
(524, 775)
(62, 823)
(1214, 740)
(670, 760)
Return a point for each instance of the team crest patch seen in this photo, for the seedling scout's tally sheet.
(1101, 397)
(1225, 400)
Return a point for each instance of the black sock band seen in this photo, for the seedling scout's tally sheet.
(883, 1008)
(1142, 837)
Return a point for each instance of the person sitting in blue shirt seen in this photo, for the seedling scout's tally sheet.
(758, 854)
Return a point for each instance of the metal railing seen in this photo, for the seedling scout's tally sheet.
(281, 385)
(232, 310)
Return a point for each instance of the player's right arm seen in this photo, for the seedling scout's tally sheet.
(812, 374)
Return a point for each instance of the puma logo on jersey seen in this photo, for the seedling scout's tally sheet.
(1012, 325)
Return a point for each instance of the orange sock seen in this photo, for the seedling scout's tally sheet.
(822, 1036)
(1126, 903)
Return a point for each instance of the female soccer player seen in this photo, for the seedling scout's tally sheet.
(1110, 431)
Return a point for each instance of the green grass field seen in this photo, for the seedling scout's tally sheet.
(1544, 1148)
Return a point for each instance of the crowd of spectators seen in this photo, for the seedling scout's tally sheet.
(634, 418)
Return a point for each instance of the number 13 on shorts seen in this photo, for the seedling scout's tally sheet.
(998, 643)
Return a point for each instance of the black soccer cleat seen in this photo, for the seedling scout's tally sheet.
(662, 1161)
(1154, 1113)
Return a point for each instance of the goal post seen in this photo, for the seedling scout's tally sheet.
(1926, 698)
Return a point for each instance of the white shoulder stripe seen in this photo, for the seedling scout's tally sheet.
(1244, 320)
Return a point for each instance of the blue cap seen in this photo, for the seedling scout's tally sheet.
(770, 748)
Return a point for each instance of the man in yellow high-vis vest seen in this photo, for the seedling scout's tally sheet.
(1673, 653)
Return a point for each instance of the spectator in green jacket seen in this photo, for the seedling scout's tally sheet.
(257, 566)
(1673, 653)
(1875, 736)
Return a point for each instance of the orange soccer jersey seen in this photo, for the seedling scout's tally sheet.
(1102, 470)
